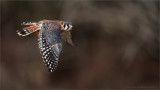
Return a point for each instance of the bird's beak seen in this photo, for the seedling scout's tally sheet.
(70, 26)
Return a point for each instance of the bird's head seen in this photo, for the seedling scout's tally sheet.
(67, 26)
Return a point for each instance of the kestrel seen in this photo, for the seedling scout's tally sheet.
(50, 33)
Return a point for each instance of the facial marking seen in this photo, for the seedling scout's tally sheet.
(65, 27)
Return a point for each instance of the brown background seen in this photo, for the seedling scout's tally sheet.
(117, 45)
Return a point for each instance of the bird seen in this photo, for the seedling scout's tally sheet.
(50, 33)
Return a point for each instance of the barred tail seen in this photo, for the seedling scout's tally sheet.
(27, 30)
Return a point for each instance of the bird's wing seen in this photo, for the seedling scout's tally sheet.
(66, 36)
(50, 46)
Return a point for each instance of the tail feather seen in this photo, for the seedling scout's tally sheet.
(27, 30)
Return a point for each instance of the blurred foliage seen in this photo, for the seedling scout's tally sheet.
(117, 45)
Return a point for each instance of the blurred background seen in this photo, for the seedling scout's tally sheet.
(117, 45)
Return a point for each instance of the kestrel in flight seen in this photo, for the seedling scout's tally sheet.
(50, 33)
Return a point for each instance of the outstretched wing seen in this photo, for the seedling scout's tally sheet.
(66, 36)
(50, 46)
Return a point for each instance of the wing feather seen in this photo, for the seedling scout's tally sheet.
(66, 36)
(50, 46)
